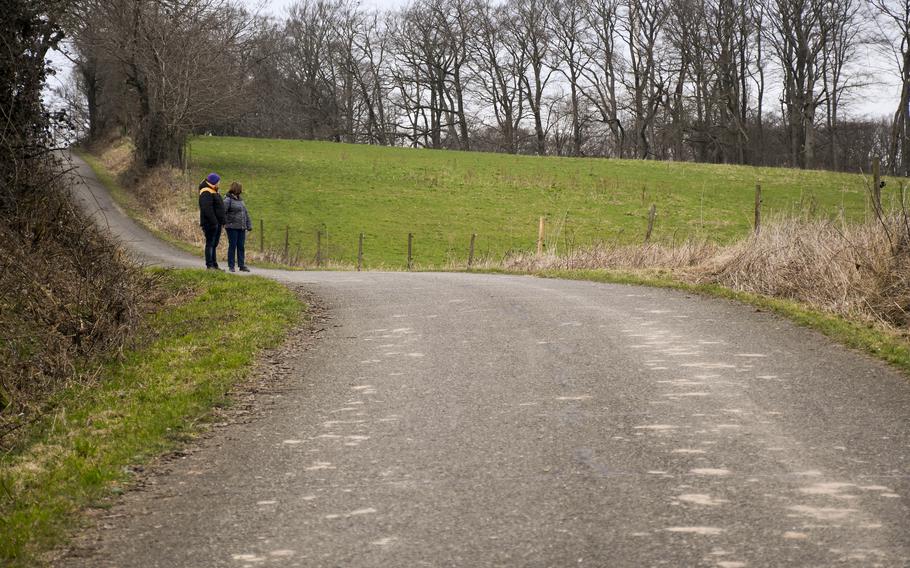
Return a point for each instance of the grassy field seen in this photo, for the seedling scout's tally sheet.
(191, 354)
(442, 197)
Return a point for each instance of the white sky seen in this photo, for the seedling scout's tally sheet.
(278, 7)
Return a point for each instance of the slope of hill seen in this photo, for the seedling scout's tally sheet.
(442, 197)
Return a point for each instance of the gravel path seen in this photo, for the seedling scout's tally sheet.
(480, 420)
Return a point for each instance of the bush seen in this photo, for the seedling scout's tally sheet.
(68, 296)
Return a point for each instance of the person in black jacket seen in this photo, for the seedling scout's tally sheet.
(211, 218)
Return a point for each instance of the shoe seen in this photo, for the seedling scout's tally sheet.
(244, 269)
(214, 268)
(231, 269)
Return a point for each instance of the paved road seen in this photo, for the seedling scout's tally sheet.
(478, 420)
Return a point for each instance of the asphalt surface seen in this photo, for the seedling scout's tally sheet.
(481, 420)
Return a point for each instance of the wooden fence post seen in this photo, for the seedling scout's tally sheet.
(261, 235)
(410, 257)
(758, 201)
(877, 186)
(318, 248)
(360, 253)
(287, 240)
(652, 214)
(471, 250)
(540, 234)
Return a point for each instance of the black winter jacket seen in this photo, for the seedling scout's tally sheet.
(211, 207)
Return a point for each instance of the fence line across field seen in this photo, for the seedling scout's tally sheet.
(409, 248)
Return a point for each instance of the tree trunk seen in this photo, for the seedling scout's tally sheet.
(899, 148)
(91, 87)
(462, 119)
(576, 124)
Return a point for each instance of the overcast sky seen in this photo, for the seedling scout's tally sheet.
(875, 100)
(878, 99)
(279, 7)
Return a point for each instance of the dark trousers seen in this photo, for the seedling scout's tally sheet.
(212, 236)
(236, 246)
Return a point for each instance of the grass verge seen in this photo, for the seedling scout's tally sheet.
(889, 346)
(191, 353)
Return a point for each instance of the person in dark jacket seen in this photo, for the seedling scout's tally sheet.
(211, 218)
(237, 226)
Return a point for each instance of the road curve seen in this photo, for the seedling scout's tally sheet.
(480, 420)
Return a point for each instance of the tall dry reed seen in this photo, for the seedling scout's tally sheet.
(858, 271)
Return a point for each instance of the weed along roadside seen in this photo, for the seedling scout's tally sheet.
(192, 351)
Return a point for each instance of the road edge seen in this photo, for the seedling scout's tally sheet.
(890, 347)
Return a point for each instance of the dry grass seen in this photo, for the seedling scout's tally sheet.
(855, 271)
(858, 271)
(164, 197)
(626, 257)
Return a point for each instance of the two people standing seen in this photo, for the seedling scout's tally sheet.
(216, 213)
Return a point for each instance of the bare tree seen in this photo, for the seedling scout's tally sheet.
(568, 29)
(183, 60)
(529, 31)
(347, 26)
(499, 68)
(797, 31)
(456, 20)
(93, 71)
(606, 66)
(268, 112)
(642, 27)
(307, 62)
(729, 27)
(669, 79)
(757, 15)
(838, 53)
(894, 21)
(426, 61)
(686, 32)
(370, 48)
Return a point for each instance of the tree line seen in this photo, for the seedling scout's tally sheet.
(760, 82)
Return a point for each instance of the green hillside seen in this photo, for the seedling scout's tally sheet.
(442, 197)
